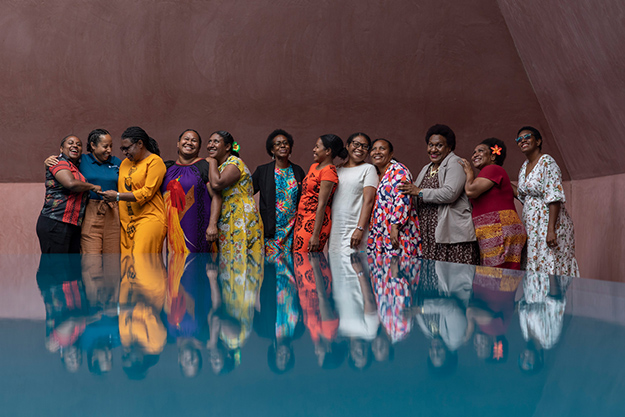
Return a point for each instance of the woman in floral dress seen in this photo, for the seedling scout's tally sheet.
(240, 232)
(550, 234)
(394, 225)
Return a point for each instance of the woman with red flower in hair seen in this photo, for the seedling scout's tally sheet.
(498, 228)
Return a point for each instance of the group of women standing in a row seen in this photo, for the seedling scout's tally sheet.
(446, 213)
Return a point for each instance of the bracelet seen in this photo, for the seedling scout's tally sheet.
(117, 196)
(362, 229)
(359, 274)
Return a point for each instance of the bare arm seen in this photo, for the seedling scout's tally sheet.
(324, 195)
(67, 180)
(224, 179)
(211, 232)
(474, 187)
(111, 195)
(554, 211)
(365, 214)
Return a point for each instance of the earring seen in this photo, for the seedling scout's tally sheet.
(273, 156)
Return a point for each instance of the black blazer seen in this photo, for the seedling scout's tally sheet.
(264, 181)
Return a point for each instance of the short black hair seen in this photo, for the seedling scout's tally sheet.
(272, 136)
(491, 143)
(444, 131)
(535, 133)
(228, 140)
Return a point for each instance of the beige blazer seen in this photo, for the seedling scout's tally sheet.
(455, 224)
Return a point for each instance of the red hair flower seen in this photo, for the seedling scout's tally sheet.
(496, 150)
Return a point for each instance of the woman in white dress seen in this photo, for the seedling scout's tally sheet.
(354, 198)
(550, 234)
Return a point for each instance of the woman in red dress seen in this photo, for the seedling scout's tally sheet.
(312, 223)
(499, 230)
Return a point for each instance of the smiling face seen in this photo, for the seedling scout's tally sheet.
(482, 156)
(527, 142)
(358, 149)
(437, 149)
(381, 154)
(129, 149)
(320, 152)
(217, 147)
(189, 144)
(72, 148)
(103, 148)
(281, 148)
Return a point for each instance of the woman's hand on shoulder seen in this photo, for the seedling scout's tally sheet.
(466, 166)
(409, 188)
(51, 161)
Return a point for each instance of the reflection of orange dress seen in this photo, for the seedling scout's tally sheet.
(307, 209)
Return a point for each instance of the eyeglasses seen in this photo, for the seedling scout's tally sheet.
(125, 148)
(281, 144)
(524, 137)
(363, 146)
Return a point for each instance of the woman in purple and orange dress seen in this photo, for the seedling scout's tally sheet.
(499, 230)
(193, 208)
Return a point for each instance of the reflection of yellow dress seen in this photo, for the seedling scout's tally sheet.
(144, 221)
(241, 248)
(141, 297)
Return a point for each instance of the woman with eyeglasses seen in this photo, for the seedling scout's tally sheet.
(354, 198)
(550, 233)
(499, 230)
(280, 185)
(141, 206)
(443, 207)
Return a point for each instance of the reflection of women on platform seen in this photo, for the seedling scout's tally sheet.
(192, 207)
(278, 317)
(189, 306)
(443, 207)
(314, 222)
(499, 230)
(141, 298)
(394, 281)
(355, 304)
(58, 226)
(443, 292)
(314, 286)
(354, 197)
(541, 316)
(394, 224)
(550, 234)
(491, 310)
(141, 208)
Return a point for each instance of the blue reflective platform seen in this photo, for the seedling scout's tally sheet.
(315, 335)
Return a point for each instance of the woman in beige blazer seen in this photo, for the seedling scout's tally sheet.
(443, 207)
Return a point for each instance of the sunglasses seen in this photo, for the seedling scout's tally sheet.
(522, 138)
(125, 148)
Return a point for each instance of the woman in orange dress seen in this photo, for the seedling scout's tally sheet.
(312, 223)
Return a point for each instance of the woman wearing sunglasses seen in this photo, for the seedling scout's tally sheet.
(551, 238)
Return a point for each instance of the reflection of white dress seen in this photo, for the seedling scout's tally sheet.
(542, 186)
(540, 314)
(347, 204)
(354, 321)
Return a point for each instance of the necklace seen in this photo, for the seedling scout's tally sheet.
(434, 171)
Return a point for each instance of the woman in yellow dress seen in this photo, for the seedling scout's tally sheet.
(241, 243)
(141, 205)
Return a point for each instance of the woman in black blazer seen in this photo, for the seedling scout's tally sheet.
(280, 186)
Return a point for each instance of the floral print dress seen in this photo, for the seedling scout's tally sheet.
(393, 207)
(543, 185)
(241, 250)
